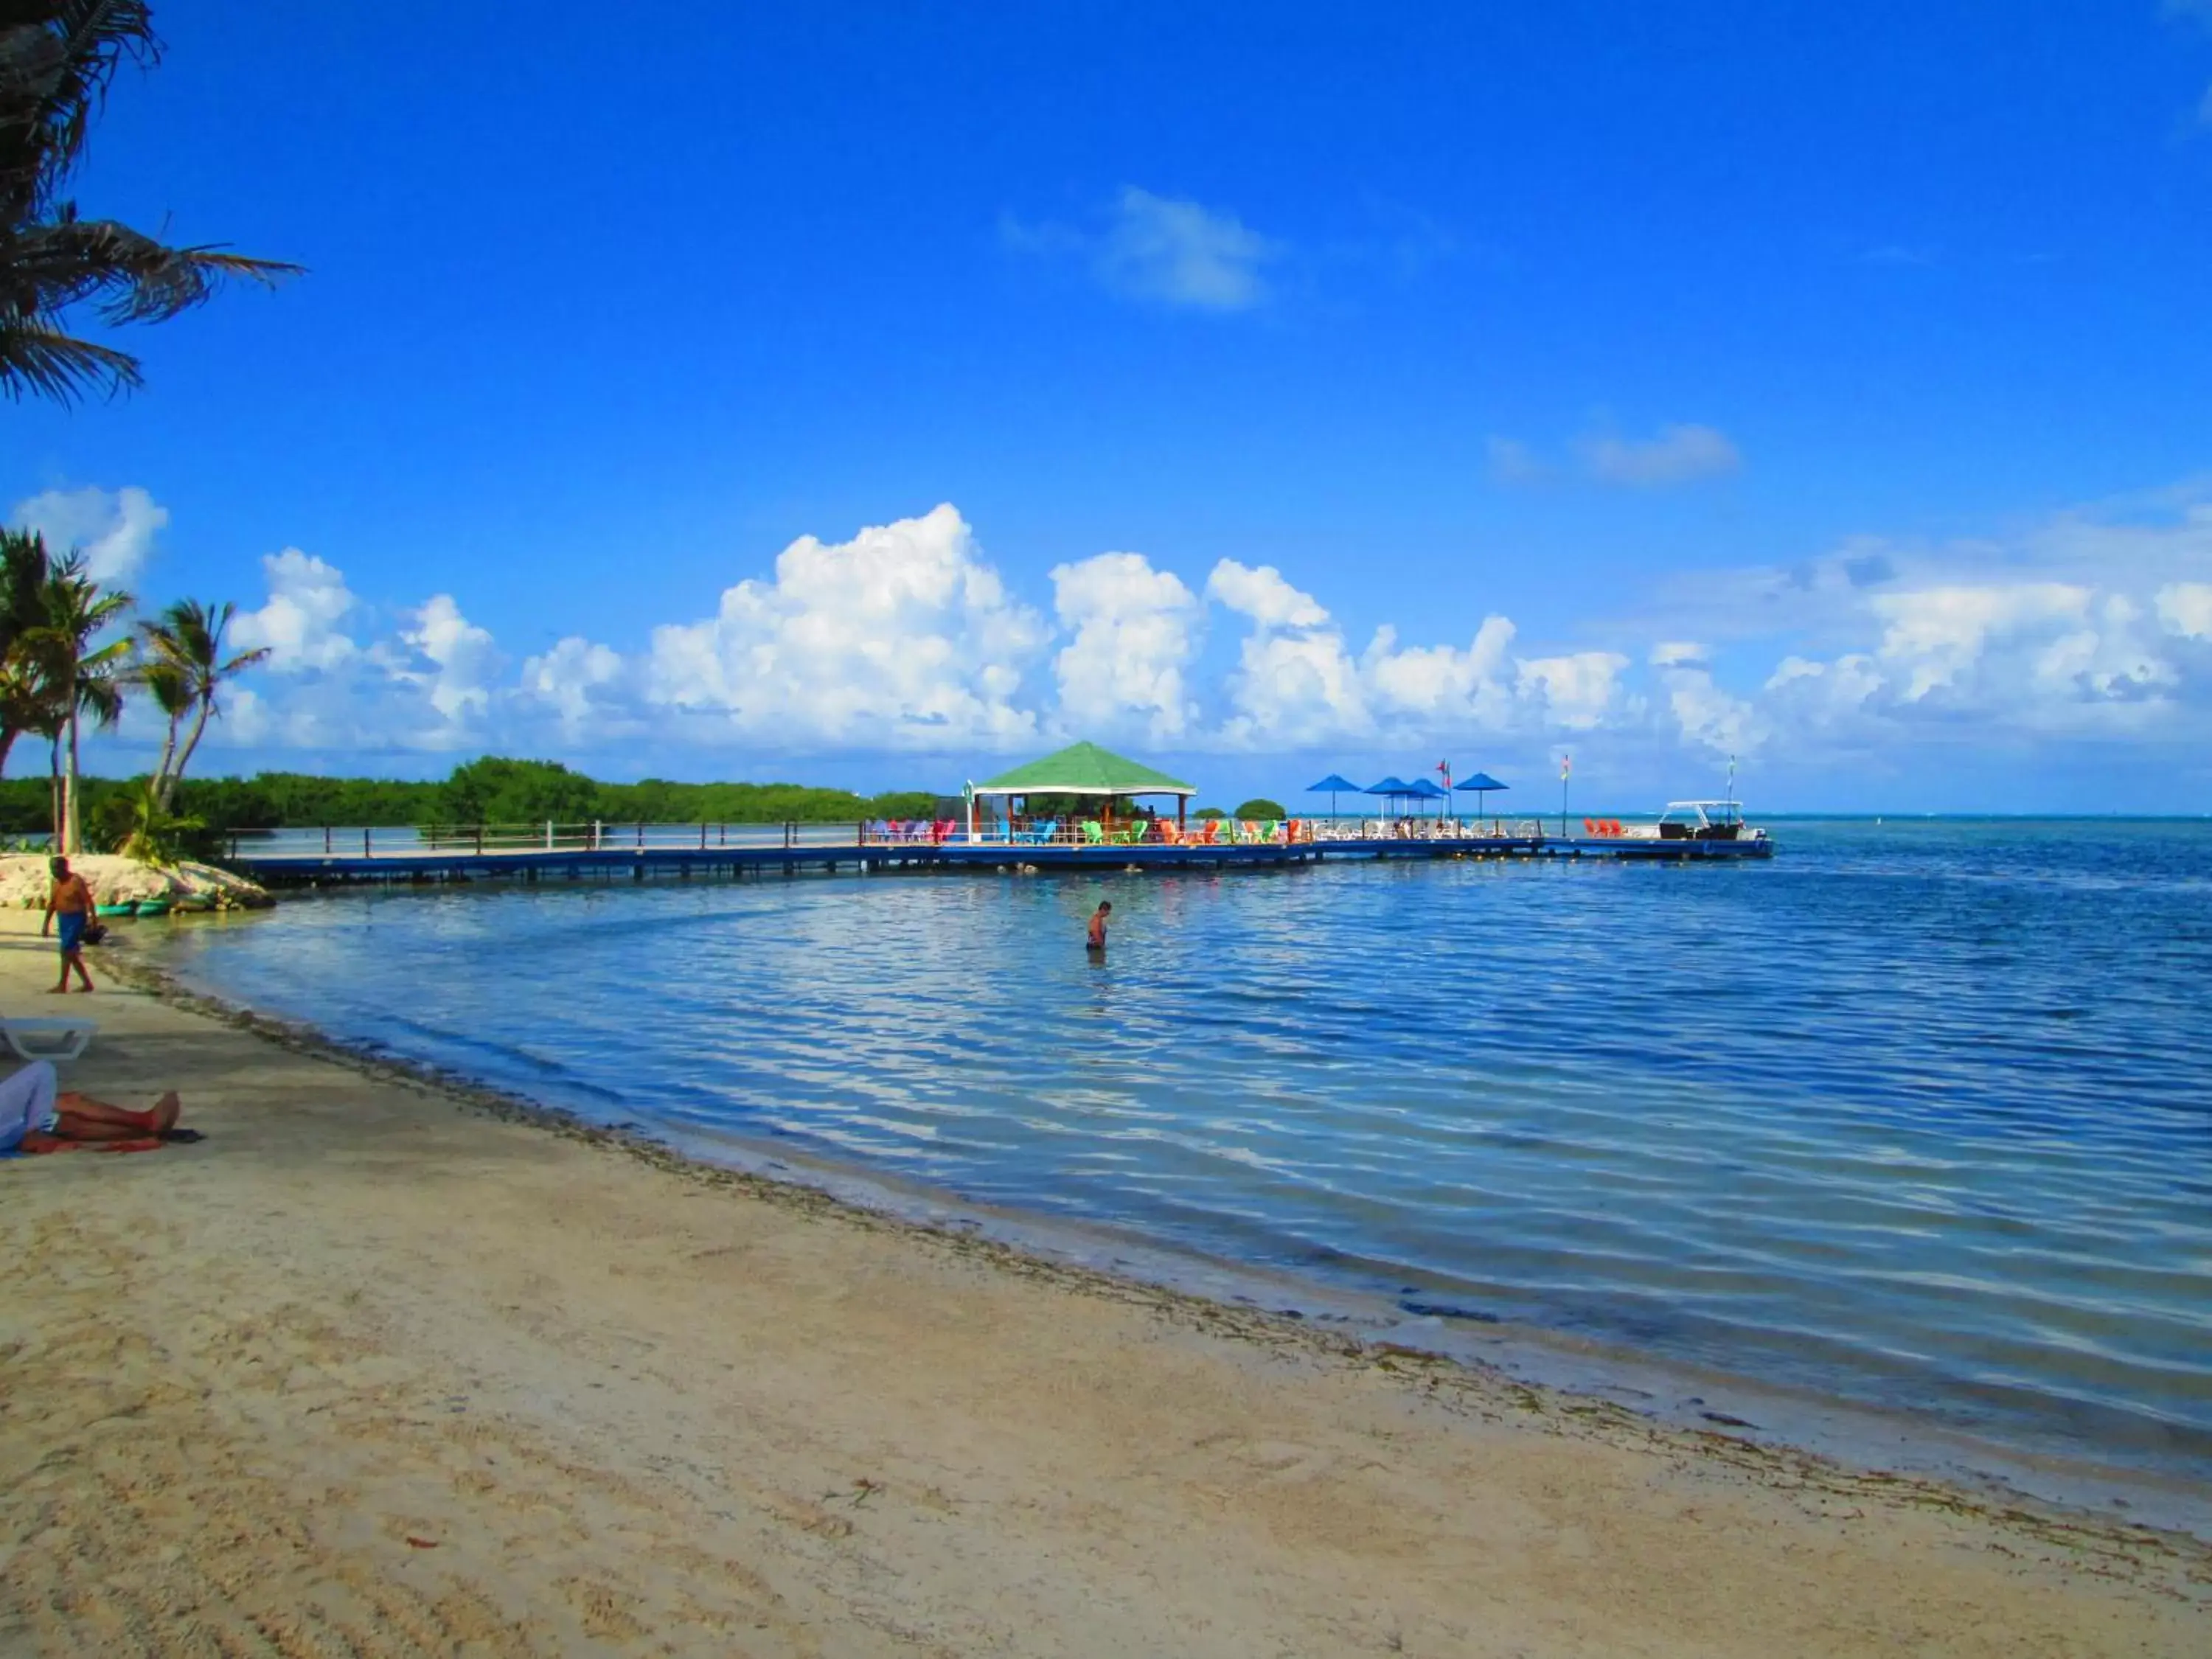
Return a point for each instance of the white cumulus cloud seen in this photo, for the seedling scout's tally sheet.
(298, 626)
(339, 680)
(1295, 684)
(1443, 685)
(1134, 632)
(2091, 627)
(114, 528)
(1705, 712)
(574, 679)
(463, 662)
(1260, 592)
(904, 635)
(1577, 691)
(2186, 608)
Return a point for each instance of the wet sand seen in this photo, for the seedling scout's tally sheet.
(378, 1370)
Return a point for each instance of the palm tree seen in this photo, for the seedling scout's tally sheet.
(24, 569)
(185, 669)
(57, 58)
(76, 678)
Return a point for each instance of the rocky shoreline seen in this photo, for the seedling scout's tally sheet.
(116, 880)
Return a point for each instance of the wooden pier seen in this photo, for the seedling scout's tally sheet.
(316, 858)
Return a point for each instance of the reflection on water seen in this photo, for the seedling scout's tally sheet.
(1915, 1113)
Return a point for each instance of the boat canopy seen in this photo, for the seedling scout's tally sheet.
(1703, 812)
(1083, 768)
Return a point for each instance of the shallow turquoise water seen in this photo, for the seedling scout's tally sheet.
(1918, 1114)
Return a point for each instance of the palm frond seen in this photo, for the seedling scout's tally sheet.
(24, 570)
(37, 358)
(57, 58)
(101, 699)
(108, 659)
(138, 278)
(172, 690)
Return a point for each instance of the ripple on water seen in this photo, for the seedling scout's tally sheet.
(1914, 1113)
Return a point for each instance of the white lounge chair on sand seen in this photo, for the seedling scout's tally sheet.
(48, 1039)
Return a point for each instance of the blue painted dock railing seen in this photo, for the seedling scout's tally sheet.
(530, 851)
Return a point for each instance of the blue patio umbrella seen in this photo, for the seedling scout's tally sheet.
(1482, 783)
(1422, 789)
(1392, 789)
(1333, 785)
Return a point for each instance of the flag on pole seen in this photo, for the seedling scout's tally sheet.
(1566, 765)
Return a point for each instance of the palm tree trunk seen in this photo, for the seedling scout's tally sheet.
(192, 742)
(54, 788)
(8, 736)
(72, 827)
(164, 785)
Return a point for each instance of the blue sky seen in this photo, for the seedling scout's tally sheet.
(1277, 389)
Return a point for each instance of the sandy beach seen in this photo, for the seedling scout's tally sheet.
(374, 1369)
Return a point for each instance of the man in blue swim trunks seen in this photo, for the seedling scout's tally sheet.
(70, 902)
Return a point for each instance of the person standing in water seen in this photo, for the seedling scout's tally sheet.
(1095, 939)
(70, 901)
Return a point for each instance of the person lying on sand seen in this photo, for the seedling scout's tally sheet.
(35, 1116)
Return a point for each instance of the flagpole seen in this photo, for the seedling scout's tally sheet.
(1566, 765)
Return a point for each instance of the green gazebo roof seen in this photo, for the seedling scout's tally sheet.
(1083, 769)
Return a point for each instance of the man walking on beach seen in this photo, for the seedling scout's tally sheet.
(1096, 938)
(71, 900)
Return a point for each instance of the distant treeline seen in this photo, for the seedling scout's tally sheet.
(490, 790)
